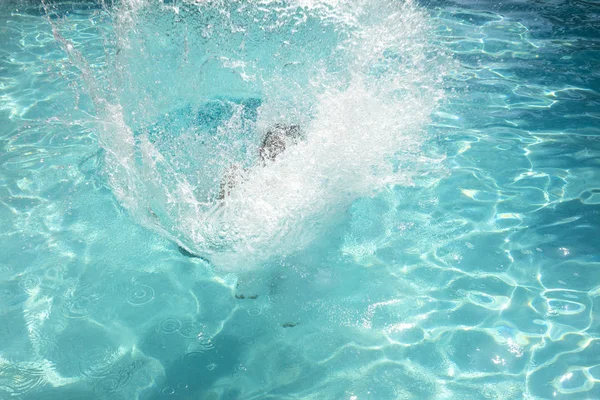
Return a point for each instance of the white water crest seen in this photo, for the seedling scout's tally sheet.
(191, 87)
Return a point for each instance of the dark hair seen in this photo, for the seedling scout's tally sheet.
(274, 142)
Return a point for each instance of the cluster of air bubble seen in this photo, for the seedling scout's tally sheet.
(360, 78)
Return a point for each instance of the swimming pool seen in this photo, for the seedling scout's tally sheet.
(435, 235)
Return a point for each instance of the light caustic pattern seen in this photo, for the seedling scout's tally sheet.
(473, 275)
(360, 79)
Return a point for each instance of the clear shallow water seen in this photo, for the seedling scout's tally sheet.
(475, 278)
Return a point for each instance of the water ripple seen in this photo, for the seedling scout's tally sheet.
(191, 329)
(77, 307)
(488, 301)
(29, 283)
(97, 362)
(140, 295)
(167, 391)
(168, 326)
(254, 312)
(117, 378)
(19, 379)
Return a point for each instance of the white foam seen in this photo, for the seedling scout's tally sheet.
(367, 102)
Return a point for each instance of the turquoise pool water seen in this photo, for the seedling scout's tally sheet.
(435, 234)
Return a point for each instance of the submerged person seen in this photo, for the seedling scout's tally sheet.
(277, 139)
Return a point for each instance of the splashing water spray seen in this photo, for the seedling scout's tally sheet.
(189, 88)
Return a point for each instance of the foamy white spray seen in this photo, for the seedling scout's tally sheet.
(360, 77)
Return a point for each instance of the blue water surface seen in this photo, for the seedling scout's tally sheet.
(483, 283)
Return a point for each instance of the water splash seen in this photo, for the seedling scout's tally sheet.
(190, 87)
